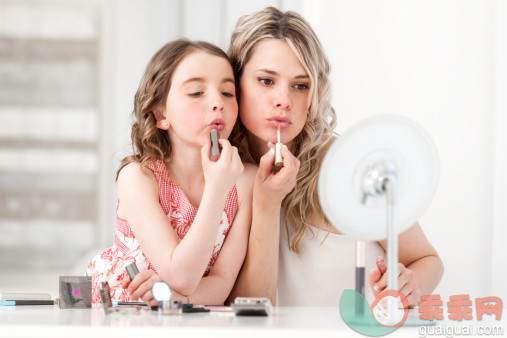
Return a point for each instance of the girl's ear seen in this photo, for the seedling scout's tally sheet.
(162, 122)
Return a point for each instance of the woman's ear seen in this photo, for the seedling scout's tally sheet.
(162, 122)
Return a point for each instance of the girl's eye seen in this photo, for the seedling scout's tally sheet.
(301, 86)
(196, 94)
(266, 82)
(227, 94)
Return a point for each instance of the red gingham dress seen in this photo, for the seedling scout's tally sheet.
(109, 265)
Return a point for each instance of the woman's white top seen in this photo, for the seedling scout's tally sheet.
(325, 268)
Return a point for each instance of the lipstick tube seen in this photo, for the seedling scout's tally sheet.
(278, 150)
(215, 149)
(278, 155)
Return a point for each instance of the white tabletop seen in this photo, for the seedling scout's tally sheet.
(51, 321)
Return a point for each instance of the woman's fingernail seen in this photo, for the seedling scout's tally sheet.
(285, 146)
(375, 287)
(271, 151)
(270, 144)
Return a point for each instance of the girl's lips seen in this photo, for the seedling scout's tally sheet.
(217, 126)
(282, 124)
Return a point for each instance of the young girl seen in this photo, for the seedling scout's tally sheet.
(181, 217)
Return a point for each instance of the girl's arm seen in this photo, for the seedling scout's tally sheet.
(180, 263)
(259, 274)
(420, 268)
(215, 288)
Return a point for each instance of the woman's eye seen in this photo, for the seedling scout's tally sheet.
(196, 94)
(227, 94)
(301, 86)
(266, 82)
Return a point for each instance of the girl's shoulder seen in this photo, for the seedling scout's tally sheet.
(135, 174)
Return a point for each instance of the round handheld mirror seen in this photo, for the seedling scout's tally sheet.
(354, 170)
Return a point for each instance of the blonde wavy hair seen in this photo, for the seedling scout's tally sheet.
(150, 143)
(310, 144)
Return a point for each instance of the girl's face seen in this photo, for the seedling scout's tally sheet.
(201, 97)
(274, 92)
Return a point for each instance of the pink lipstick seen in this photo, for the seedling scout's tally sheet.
(217, 124)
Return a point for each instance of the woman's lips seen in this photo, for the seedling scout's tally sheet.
(280, 122)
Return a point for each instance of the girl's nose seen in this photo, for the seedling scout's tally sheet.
(216, 106)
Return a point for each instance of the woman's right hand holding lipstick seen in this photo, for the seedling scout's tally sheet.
(271, 187)
(221, 175)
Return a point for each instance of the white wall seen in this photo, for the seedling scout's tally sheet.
(434, 62)
(499, 272)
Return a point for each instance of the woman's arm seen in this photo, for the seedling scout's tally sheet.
(259, 275)
(420, 268)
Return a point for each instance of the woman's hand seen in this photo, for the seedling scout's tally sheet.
(270, 188)
(407, 284)
(221, 175)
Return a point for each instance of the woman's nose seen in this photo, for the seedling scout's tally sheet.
(282, 100)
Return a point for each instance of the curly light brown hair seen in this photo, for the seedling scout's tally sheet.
(150, 143)
(310, 144)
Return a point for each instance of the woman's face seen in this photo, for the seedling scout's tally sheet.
(274, 92)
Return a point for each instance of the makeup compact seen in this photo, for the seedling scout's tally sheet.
(163, 293)
(75, 292)
(252, 306)
(105, 297)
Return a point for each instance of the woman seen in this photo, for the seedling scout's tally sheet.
(293, 249)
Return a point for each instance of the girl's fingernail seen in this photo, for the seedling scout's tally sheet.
(271, 151)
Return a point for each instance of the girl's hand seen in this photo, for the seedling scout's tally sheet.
(141, 286)
(270, 188)
(407, 283)
(222, 174)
